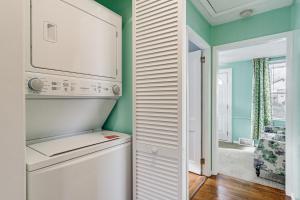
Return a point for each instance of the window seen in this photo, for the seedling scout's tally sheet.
(278, 89)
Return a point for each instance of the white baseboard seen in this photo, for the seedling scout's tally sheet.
(293, 196)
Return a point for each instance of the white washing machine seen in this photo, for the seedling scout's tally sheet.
(80, 167)
(73, 80)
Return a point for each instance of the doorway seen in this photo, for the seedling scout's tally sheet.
(242, 154)
(197, 67)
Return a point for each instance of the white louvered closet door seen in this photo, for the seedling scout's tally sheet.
(159, 149)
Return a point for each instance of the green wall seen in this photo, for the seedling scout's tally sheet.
(281, 20)
(197, 22)
(276, 21)
(121, 117)
(273, 22)
(242, 73)
(241, 98)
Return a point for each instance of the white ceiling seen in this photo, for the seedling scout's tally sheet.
(275, 48)
(223, 11)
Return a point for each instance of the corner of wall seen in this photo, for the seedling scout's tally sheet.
(197, 22)
(120, 119)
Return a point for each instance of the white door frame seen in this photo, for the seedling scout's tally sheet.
(206, 99)
(288, 36)
(229, 117)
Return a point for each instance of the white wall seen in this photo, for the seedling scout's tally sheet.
(12, 132)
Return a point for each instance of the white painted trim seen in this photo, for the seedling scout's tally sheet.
(293, 196)
(229, 117)
(290, 102)
(261, 40)
(12, 102)
(206, 94)
(134, 148)
(183, 48)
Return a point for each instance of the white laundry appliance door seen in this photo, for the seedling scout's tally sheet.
(68, 39)
(104, 175)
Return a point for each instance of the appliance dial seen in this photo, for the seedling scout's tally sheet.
(35, 84)
(116, 89)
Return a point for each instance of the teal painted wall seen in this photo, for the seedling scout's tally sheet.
(242, 73)
(277, 21)
(121, 117)
(197, 22)
(282, 20)
(268, 23)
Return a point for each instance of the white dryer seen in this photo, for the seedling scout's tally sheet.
(72, 82)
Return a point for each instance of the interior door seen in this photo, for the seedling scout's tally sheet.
(194, 111)
(159, 138)
(224, 105)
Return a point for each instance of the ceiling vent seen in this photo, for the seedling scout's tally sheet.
(246, 13)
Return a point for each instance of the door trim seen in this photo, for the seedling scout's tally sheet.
(206, 99)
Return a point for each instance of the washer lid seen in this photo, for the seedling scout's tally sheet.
(63, 145)
(36, 160)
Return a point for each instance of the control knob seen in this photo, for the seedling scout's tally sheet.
(116, 89)
(35, 84)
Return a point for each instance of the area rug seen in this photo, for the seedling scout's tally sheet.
(238, 163)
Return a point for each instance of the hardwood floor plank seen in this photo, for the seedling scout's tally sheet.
(195, 182)
(226, 188)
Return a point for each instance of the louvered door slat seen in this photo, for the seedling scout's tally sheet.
(156, 30)
(155, 132)
(156, 51)
(154, 6)
(145, 29)
(158, 123)
(154, 16)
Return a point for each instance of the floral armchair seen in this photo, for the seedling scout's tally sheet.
(269, 155)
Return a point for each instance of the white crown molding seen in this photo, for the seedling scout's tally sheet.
(270, 49)
(258, 6)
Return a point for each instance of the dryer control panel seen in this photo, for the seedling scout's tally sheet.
(37, 84)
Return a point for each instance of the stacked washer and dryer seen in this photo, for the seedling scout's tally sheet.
(73, 80)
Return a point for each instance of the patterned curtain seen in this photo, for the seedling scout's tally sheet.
(261, 100)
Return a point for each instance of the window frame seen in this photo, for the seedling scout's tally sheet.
(270, 63)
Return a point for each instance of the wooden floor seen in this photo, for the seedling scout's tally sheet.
(225, 188)
(195, 182)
